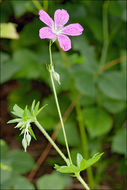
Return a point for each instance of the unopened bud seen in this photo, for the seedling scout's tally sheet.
(56, 76)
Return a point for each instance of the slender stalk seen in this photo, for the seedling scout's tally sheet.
(82, 182)
(57, 104)
(84, 140)
(37, 4)
(51, 141)
(105, 33)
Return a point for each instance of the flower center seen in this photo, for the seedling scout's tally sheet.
(57, 28)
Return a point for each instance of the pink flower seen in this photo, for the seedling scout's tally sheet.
(57, 30)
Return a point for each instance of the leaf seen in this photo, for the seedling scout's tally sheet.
(85, 84)
(67, 169)
(8, 67)
(98, 122)
(41, 108)
(21, 182)
(113, 85)
(14, 121)
(113, 106)
(19, 8)
(87, 163)
(72, 134)
(95, 26)
(29, 63)
(53, 180)
(17, 111)
(21, 162)
(90, 62)
(33, 105)
(8, 30)
(32, 133)
(79, 159)
(119, 142)
(3, 148)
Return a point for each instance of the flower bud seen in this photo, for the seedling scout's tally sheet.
(24, 143)
(56, 76)
(28, 138)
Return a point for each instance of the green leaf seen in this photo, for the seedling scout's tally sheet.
(85, 84)
(3, 148)
(32, 133)
(41, 108)
(17, 111)
(33, 105)
(36, 107)
(67, 169)
(73, 138)
(112, 105)
(19, 8)
(53, 180)
(8, 30)
(79, 159)
(21, 182)
(8, 67)
(90, 63)
(29, 64)
(87, 163)
(21, 162)
(95, 26)
(119, 142)
(113, 85)
(14, 121)
(98, 122)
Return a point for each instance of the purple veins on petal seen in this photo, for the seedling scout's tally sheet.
(73, 29)
(65, 42)
(61, 17)
(44, 17)
(46, 32)
(56, 29)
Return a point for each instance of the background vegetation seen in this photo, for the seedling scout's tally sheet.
(92, 93)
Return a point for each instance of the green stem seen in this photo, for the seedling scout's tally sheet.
(37, 4)
(57, 104)
(82, 181)
(105, 33)
(51, 141)
(84, 140)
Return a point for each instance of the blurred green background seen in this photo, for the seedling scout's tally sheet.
(92, 91)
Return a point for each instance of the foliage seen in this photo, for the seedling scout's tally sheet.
(102, 91)
(13, 164)
(54, 180)
(82, 164)
(24, 120)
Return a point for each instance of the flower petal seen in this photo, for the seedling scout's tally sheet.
(73, 29)
(46, 32)
(61, 17)
(65, 42)
(44, 17)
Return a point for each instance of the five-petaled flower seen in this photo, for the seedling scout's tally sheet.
(57, 30)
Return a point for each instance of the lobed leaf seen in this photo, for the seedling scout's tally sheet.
(67, 169)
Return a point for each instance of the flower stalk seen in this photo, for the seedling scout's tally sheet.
(57, 103)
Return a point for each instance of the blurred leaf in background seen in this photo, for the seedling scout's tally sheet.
(8, 30)
(13, 164)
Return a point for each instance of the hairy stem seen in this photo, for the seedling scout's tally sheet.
(57, 104)
(50, 140)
